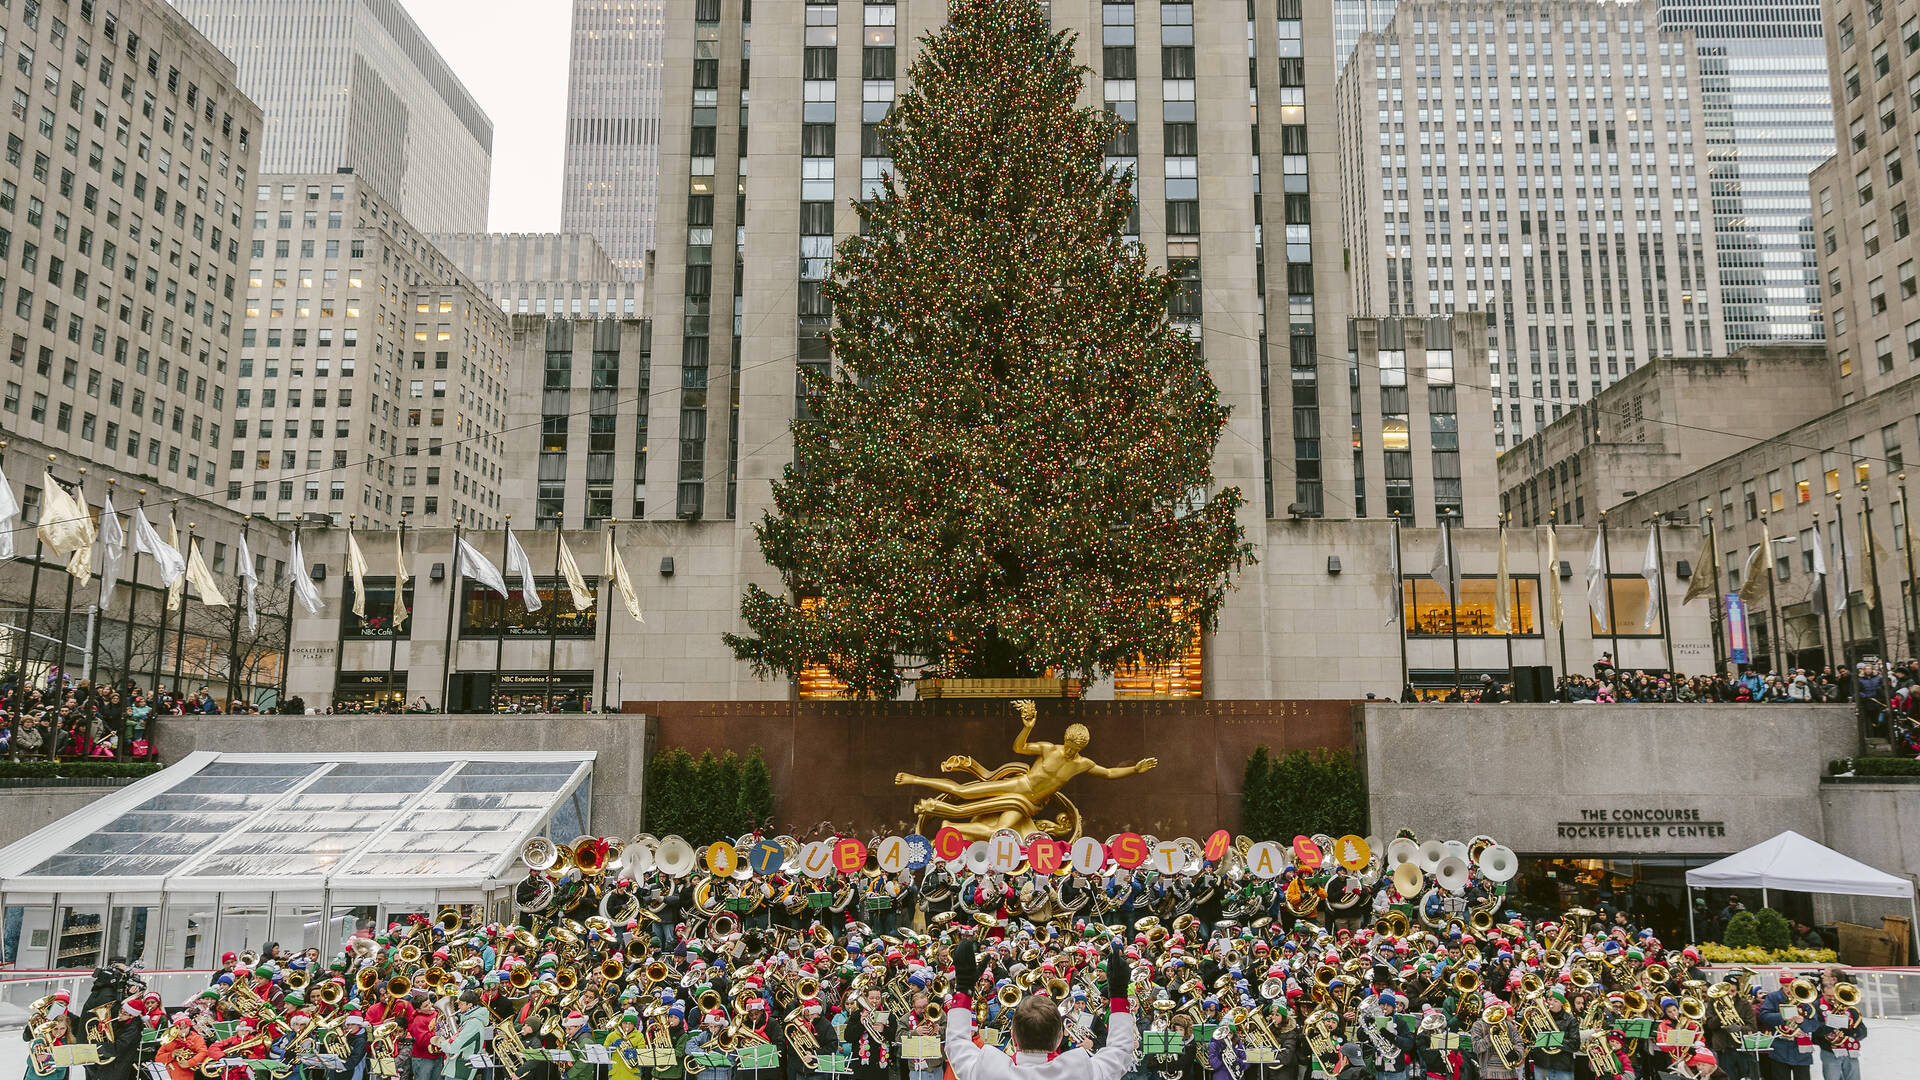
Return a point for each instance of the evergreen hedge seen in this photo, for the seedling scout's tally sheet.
(77, 770)
(1302, 793)
(708, 798)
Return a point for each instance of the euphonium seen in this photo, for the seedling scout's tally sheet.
(1692, 1009)
(329, 993)
(611, 969)
(1057, 988)
(1467, 982)
(450, 921)
(1009, 995)
(709, 1000)
(1803, 992)
(806, 987)
(366, 979)
(520, 977)
(799, 1029)
(1656, 974)
(1847, 995)
(566, 979)
(1636, 1003)
(656, 972)
(399, 986)
(1481, 920)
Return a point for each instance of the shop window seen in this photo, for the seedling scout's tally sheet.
(1429, 615)
(1182, 677)
(816, 682)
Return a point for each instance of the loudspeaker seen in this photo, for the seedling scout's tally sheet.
(471, 691)
(1533, 683)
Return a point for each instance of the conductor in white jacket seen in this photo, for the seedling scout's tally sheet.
(1036, 1029)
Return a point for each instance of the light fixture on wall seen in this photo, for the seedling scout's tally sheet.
(1333, 564)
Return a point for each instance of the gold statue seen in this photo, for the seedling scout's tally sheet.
(1012, 796)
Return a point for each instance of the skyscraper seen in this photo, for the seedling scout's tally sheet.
(1769, 118)
(355, 83)
(1352, 18)
(1540, 163)
(372, 377)
(613, 125)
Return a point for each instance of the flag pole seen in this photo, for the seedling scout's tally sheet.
(160, 642)
(1560, 612)
(180, 638)
(1873, 576)
(286, 658)
(1846, 576)
(1713, 597)
(1606, 570)
(1400, 597)
(1825, 597)
(66, 611)
(1776, 626)
(133, 606)
(100, 609)
(606, 620)
(1509, 597)
(453, 600)
(500, 628)
(1907, 597)
(1453, 599)
(233, 623)
(393, 637)
(553, 620)
(1666, 623)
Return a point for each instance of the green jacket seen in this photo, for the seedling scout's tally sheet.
(465, 1042)
(581, 1068)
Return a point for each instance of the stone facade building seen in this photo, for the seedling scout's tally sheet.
(392, 109)
(581, 386)
(123, 223)
(1543, 163)
(567, 275)
(372, 376)
(1659, 424)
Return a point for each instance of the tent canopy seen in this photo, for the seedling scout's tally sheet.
(1793, 862)
(215, 822)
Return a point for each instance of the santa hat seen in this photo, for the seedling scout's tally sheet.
(575, 1019)
(228, 958)
(133, 1006)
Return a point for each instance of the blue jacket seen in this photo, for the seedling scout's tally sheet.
(1787, 1051)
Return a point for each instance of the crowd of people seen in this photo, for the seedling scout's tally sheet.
(66, 718)
(907, 976)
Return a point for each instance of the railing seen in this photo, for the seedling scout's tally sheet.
(1884, 991)
(20, 989)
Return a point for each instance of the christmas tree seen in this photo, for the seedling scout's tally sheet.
(1010, 473)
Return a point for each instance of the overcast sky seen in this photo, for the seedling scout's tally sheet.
(512, 56)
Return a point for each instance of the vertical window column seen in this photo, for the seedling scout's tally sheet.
(1120, 91)
(817, 136)
(698, 304)
(1302, 341)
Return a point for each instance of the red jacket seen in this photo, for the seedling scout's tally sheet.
(421, 1032)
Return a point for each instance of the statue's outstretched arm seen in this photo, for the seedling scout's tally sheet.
(1118, 771)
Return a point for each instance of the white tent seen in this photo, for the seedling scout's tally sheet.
(1794, 863)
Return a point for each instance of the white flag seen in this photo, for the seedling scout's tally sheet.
(1597, 583)
(66, 527)
(249, 582)
(202, 578)
(357, 569)
(623, 584)
(301, 581)
(1503, 592)
(576, 581)
(113, 545)
(178, 587)
(517, 562)
(1556, 605)
(1397, 599)
(9, 518)
(146, 541)
(400, 579)
(1650, 569)
(472, 564)
(1442, 569)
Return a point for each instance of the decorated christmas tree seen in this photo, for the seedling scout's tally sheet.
(1009, 473)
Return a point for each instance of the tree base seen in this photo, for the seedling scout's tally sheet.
(936, 688)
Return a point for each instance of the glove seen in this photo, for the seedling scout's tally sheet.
(1119, 973)
(966, 968)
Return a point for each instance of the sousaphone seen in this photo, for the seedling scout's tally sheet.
(1452, 874)
(1498, 863)
(1430, 856)
(1408, 879)
(676, 857)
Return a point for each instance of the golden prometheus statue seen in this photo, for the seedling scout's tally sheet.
(1013, 795)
